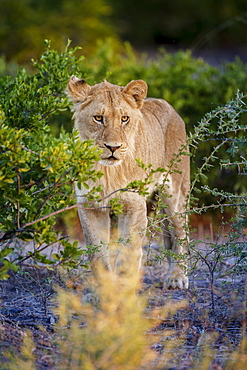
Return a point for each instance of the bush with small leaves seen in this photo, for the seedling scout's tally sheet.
(38, 169)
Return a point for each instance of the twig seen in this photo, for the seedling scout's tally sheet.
(233, 164)
(40, 250)
(55, 185)
(14, 232)
(28, 150)
(51, 185)
(18, 192)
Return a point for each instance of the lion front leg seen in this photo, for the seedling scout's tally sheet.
(96, 228)
(176, 240)
(132, 226)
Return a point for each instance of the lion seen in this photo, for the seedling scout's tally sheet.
(126, 126)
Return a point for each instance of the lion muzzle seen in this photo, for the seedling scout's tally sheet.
(112, 148)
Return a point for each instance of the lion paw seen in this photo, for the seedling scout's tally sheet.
(177, 280)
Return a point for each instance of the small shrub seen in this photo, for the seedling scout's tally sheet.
(38, 169)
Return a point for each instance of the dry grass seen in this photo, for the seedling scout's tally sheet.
(117, 321)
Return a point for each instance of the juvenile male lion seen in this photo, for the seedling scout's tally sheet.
(127, 126)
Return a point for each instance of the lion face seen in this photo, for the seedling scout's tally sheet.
(107, 120)
(108, 114)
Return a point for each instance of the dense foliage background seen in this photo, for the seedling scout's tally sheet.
(24, 24)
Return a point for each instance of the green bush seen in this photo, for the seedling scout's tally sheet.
(38, 169)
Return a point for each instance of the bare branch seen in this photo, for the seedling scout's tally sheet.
(40, 250)
(18, 192)
(28, 150)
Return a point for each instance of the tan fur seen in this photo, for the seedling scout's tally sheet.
(153, 132)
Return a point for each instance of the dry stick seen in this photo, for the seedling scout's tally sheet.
(80, 205)
(18, 202)
(49, 186)
(67, 208)
(40, 250)
(201, 40)
(55, 185)
(28, 150)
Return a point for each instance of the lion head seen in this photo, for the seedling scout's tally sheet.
(109, 115)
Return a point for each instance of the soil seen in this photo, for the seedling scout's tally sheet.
(213, 316)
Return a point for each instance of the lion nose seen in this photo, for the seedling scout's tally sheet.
(112, 148)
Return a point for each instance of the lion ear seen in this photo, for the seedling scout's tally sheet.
(77, 90)
(138, 89)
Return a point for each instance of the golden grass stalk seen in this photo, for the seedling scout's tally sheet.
(110, 336)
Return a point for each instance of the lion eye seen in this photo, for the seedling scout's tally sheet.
(99, 119)
(125, 119)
